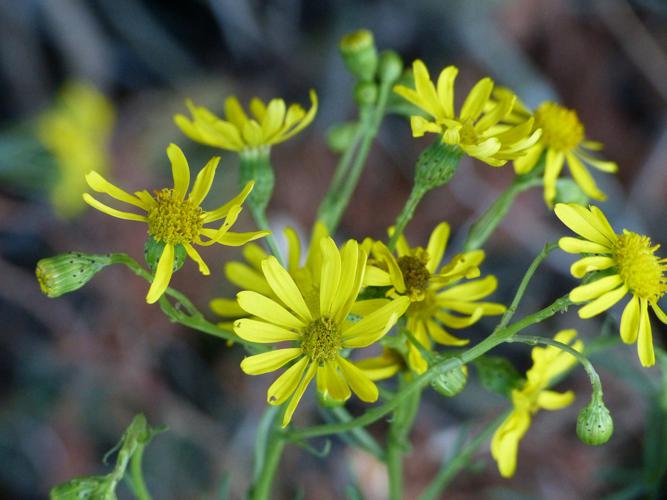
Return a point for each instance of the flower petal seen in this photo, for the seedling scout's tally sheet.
(180, 170)
(267, 309)
(285, 385)
(165, 268)
(194, 255)
(597, 263)
(584, 223)
(263, 332)
(472, 290)
(222, 211)
(602, 303)
(112, 211)
(334, 383)
(269, 361)
(246, 278)
(595, 289)
(584, 179)
(477, 99)
(441, 336)
(101, 185)
(284, 287)
(227, 308)
(331, 270)
(358, 381)
(645, 337)
(437, 244)
(298, 393)
(375, 325)
(203, 181)
(576, 245)
(552, 400)
(630, 321)
(554, 165)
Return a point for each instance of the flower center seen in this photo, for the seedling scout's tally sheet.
(321, 340)
(642, 271)
(415, 275)
(561, 128)
(172, 220)
(467, 133)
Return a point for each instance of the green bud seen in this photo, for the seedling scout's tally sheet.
(497, 375)
(594, 423)
(390, 66)
(436, 165)
(153, 251)
(255, 165)
(365, 93)
(359, 54)
(67, 272)
(340, 136)
(568, 191)
(93, 487)
(451, 382)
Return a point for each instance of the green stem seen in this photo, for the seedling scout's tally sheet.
(261, 489)
(497, 337)
(359, 436)
(397, 442)
(138, 483)
(259, 214)
(581, 358)
(484, 227)
(369, 126)
(406, 214)
(453, 466)
(548, 248)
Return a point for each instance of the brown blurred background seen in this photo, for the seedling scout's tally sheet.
(73, 371)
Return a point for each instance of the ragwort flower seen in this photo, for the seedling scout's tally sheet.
(174, 219)
(548, 364)
(630, 267)
(435, 292)
(479, 128)
(320, 329)
(564, 142)
(268, 124)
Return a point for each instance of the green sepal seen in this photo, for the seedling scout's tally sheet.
(498, 375)
(153, 251)
(436, 165)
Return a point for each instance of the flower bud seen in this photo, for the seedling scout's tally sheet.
(594, 423)
(67, 272)
(451, 382)
(365, 93)
(390, 66)
(497, 375)
(436, 165)
(153, 251)
(340, 136)
(359, 54)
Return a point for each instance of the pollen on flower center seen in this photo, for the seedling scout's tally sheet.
(173, 220)
(561, 128)
(321, 340)
(415, 275)
(467, 133)
(642, 271)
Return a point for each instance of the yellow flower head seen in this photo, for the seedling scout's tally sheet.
(479, 128)
(77, 131)
(319, 329)
(248, 275)
(434, 292)
(548, 364)
(564, 141)
(174, 219)
(630, 267)
(268, 124)
(382, 367)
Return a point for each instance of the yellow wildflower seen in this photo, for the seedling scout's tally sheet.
(77, 132)
(564, 141)
(381, 367)
(479, 129)
(320, 328)
(548, 364)
(630, 267)
(268, 124)
(175, 220)
(434, 293)
(249, 276)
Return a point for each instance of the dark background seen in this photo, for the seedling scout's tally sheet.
(73, 371)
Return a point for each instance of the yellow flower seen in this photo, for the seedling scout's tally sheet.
(382, 367)
(434, 293)
(630, 267)
(175, 220)
(249, 276)
(548, 364)
(269, 124)
(479, 129)
(564, 141)
(320, 329)
(77, 131)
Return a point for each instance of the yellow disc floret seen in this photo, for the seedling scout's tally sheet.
(641, 270)
(321, 340)
(561, 128)
(415, 274)
(174, 220)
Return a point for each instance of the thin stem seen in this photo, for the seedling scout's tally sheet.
(263, 223)
(581, 358)
(443, 365)
(138, 484)
(359, 436)
(261, 489)
(453, 466)
(397, 442)
(548, 248)
(406, 214)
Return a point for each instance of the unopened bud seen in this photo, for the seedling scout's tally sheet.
(359, 54)
(497, 375)
(153, 251)
(365, 93)
(594, 423)
(340, 137)
(67, 272)
(390, 66)
(436, 165)
(451, 382)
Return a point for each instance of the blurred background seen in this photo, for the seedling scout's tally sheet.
(73, 371)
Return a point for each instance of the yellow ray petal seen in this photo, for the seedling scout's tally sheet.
(101, 185)
(285, 288)
(554, 165)
(222, 211)
(203, 181)
(227, 308)
(576, 245)
(298, 393)
(630, 321)
(262, 332)
(472, 290)
(268, 310)
(584, 223)
(247, 278)
(595, 289)
(437, 244)
(234, 112)
(358, 381)
(165, 268)
(232, 239)
(597, 263)
(285, 385)
(602, 303)
(112, 211)
(334, 382)
(375, 325)
(269, 361)
(441, 336)
(194, 255)
(645, 336)
(293, 249)
(180, 170)
(446, 82)
(331, 270)
(584, 179)
(552, 400)
(477, 99)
